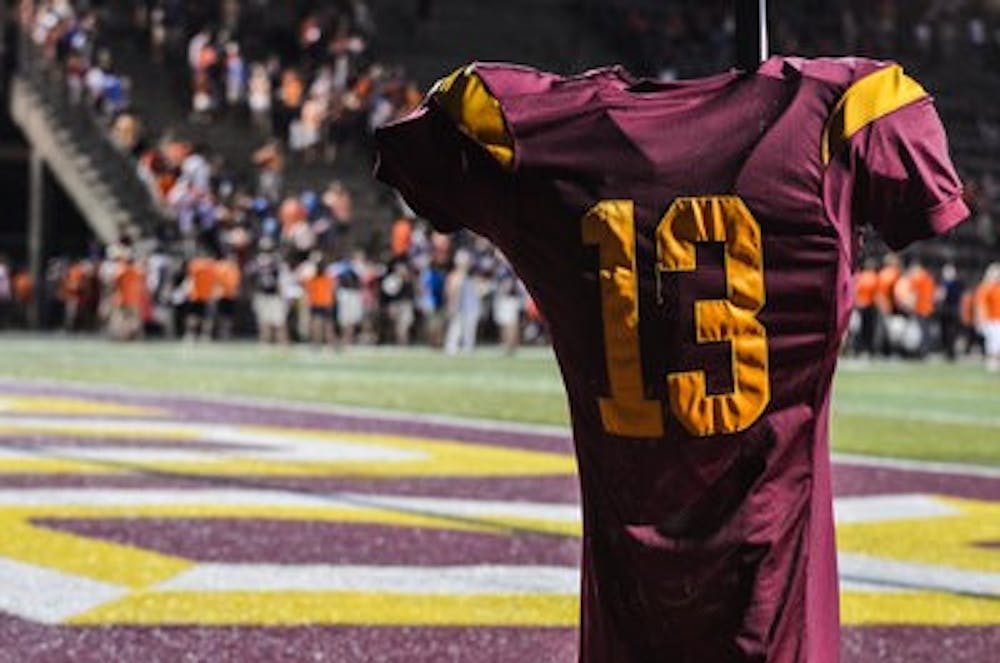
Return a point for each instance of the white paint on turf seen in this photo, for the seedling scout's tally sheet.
(375, 414)
(867, 509)
(269, 499)
(463, 580)
(928, 467)
(244, 442)
(879, 508)
(49, 596)
(911, 575)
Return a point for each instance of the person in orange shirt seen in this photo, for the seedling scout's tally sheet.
(130, 299)
(227, 274)
(202, 289)
(865, 287)
(320, 286)
(988, 315)
(24, 292)
(74, 292)
(915, 292)
(884, 300)
(402, 235)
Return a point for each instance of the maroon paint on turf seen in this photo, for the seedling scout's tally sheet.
(194, 410)
(150, 481)
(45, 644)
(25, 641)
(860, 480)
(22, 641)
(41, 442)
(917, 644)
(563, 489)
(308, 542)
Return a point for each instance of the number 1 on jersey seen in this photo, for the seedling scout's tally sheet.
(610, 225)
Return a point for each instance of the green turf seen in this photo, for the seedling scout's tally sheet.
(924, 411)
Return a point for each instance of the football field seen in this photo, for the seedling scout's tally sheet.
(236, 503)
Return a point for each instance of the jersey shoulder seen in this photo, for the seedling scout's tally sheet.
(863, 91)
(479, 97)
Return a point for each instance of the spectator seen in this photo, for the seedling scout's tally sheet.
(227, 275)
(402, 232)
(950, 293)
(270, 164)
(885, 301)
(236, 76)
(320, 286)
(24, 294)
(914, 295)
(508, 302)
(6, 294)
(131, 300)
(865, 287)
(291, 96)
(988, 315)
(432, 298)
(464, 307)
(202, 287)
(350, 304)
(259, 99)
(270, 274)
(397, 295)
(76, 294)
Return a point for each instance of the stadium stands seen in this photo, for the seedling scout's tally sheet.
(291, 164)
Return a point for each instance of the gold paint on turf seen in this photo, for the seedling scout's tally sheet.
(917, 609)
(370, 515)
(951, 541)
(947, 541)
(43, 465)
(438, 458)
(87, 557)
(287, 608)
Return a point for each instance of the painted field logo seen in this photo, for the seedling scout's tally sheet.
(136, 515)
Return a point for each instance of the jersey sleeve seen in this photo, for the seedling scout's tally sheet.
(452, 159)
(905, 183)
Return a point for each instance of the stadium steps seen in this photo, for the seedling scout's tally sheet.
(99, 180)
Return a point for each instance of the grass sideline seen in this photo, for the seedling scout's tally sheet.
(928, 411)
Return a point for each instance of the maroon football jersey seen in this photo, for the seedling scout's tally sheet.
(690, 244)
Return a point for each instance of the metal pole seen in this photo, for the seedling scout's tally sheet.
(751, 33)
(36, 235)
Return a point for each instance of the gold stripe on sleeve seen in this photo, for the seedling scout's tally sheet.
(874, 96)
(464, 96)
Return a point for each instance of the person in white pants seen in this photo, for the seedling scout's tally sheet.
(463, 305)
(988, 315)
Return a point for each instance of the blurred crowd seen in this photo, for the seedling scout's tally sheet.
(253, 255)
(249, 255)
(689, 38)
(315, 97)
(447, 291)
(909, 311)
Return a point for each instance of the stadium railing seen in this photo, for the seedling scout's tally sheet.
(75, 142)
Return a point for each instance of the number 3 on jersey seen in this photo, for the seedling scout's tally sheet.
(610, 225)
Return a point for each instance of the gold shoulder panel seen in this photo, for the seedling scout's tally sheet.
(876, 95)
(464, 96)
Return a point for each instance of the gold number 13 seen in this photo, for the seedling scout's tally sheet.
(610, 225)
